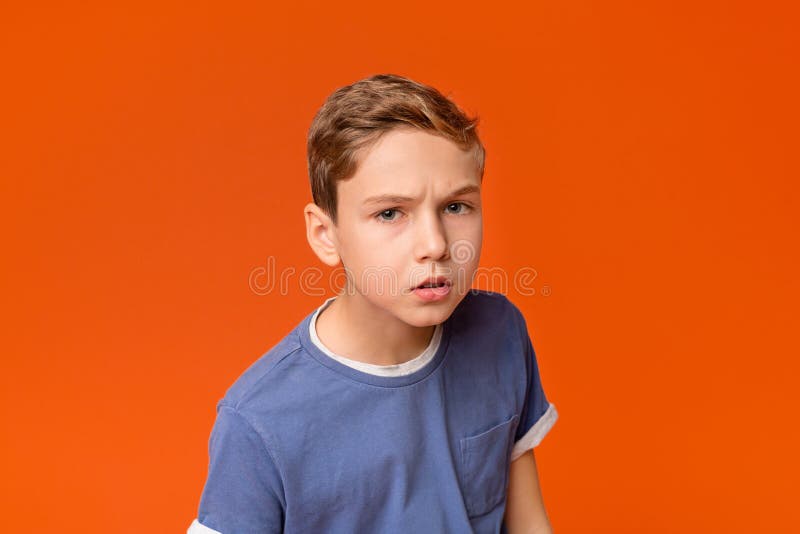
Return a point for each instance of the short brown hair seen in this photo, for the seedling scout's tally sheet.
(355, 116)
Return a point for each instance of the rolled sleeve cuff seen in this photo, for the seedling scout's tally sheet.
(197, 528)
(534, 435)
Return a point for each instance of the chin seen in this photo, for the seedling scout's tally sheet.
(429, 317)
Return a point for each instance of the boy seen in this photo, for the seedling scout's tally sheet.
(408, 402)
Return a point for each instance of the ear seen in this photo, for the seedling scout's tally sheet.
(321, 234)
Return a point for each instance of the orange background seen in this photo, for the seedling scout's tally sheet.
(641, 158)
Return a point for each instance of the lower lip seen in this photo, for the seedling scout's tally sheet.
(432, 294)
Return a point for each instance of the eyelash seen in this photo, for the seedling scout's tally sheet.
(385, 221)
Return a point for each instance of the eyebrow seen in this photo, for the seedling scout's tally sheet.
(397, 198)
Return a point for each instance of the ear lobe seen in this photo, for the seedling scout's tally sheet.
(320, 233)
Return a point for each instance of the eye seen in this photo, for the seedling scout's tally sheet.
(465, 206)
(380, 215)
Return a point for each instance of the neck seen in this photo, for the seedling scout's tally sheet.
(353, 327)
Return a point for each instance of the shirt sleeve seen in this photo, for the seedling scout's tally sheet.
(243, 492)
(538, 414)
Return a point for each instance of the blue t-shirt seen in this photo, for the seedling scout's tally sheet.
(308, 441)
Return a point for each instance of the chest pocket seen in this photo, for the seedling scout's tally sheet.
(484, 467)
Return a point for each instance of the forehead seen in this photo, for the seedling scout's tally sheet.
(409, 162)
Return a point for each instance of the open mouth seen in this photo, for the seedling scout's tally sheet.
(433, 289)
(433, 284)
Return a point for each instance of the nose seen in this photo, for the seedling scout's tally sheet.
(431, 241)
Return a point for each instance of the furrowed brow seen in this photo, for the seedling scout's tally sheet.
(398, 198)
(466, 189)
(387, 198)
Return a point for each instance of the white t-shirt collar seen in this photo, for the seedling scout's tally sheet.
(399, 369)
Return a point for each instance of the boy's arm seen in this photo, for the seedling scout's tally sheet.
(525, 512)
(243, 490)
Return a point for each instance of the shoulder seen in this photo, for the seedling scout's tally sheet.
(481, 307)
(258, 379)
(488, 317)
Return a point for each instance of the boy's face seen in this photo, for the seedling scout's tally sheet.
(390, 246)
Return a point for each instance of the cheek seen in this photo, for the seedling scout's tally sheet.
(469, 227)
(477, 243)
(357, 243)
(465, 248)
